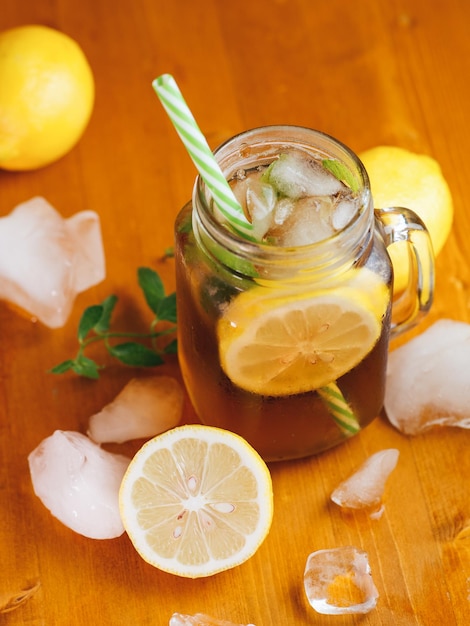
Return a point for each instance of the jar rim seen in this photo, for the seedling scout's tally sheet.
(265, 142)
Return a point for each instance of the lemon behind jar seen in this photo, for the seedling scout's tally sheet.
(401, 178)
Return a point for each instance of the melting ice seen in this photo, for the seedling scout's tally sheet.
(339, 581)
(364, 488)
(144, 408)
(199, 619)
(294, 201)
(428, 380)
(46, 260)
(79, 483)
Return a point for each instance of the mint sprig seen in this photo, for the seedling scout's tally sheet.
(139, 349)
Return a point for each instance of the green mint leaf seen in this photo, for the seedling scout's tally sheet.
(341, 172)
(172, 347)
(83, 366)
(169, 252)
(102, 326)
(167, 309)
(152, 287)
(91, 316)
(97, 318)
(63, 367)
(135, 354)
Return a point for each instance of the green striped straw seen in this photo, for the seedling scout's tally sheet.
(196, 144)
(339, 409)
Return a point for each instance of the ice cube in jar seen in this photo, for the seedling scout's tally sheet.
(294, 201)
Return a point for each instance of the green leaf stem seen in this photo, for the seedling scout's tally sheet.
(140, 349)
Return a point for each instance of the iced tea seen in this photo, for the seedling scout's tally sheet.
(267, 326)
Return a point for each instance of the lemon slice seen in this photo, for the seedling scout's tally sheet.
(196, 500)
(292, 342)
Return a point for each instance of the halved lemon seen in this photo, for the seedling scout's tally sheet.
(290, 342)
(196, 500)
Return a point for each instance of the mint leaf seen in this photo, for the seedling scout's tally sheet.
(95, 323)
(63, 367)
(172, 347)
(107, 306)
(91, 316)
(152, 287)
(83, 366)
(135, 354)
(341, 172)
(167, 309)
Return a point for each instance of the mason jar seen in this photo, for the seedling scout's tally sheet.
(286, 343)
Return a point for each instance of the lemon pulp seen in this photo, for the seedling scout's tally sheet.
(196, 500)
(285, 342)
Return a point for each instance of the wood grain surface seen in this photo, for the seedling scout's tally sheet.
(369, 72)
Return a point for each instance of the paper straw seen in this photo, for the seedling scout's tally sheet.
(339, 409)
(196, 144)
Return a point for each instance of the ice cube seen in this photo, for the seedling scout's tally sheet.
(257, 199)
(364, 488)
(260, 202)
(144, 408)
(295, 175)
(339, 581)
(238, 186)
(308, 223)
(428, 383)
(344, 211)
(79, 483)
(199, 619)
(283, 210)
(46, 260)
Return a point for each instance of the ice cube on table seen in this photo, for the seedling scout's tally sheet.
(144, 408)
(365, 487)
(295, 175)
(428, 379)
(199, 619)
(46, 260)
(79, 483)
(339, 581)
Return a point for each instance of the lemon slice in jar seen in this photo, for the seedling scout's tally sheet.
(285, 342)
(196, 500)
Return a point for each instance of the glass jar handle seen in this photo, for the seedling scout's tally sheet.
(412, 304)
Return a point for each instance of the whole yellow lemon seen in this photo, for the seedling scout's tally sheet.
(46, 96)
(402, 178)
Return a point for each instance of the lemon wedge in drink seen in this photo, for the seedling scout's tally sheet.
(196, 500)
(287, 341)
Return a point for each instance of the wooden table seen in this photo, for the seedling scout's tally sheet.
(369, 72)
